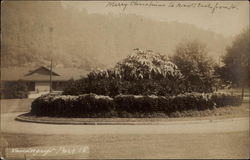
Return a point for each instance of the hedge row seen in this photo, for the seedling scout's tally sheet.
(85, 105)
(92, 105)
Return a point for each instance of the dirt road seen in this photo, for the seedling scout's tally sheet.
(9, 125)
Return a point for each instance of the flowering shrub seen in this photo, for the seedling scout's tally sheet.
(140, 65)
(92, 105)
(147, 65)
(143, 72)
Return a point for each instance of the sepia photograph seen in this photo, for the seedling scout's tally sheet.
(124, 80)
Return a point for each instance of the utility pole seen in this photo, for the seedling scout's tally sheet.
(243, 77)
(50, 77)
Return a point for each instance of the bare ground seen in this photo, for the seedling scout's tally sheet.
(218, 145)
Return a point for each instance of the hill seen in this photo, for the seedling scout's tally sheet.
(33, 32)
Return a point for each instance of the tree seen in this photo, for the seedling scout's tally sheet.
(141, 65)
(148, 65)
(236, 61)
(16, 90)
(143, 72)
(192, 60)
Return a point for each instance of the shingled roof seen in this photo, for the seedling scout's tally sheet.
(58, 74)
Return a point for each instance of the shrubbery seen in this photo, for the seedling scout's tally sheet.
(92, 105)
(224, 99)
(143, 72)
(15, 90)
(113, 87)
(87, 105)
(193, 61)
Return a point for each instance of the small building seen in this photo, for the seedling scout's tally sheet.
(38, 80)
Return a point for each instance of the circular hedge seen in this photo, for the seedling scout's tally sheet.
(92, 105)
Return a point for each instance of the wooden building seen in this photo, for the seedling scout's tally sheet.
(38, 79)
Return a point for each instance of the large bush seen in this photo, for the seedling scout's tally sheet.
(236, 61)
(143, 72)
(225, 99)
(15, 90)
(92, 105)
(197, 67)
(87, 105)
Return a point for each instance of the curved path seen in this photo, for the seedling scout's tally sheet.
(10, 125)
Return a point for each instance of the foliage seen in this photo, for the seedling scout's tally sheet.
(140, 65)
(16, 90)
(92, 105)
(147, 65)
(220, 82)
(143, 72)
(222, 100)
(236, 67)
(87, 105)
(75, 87)
(194, 63)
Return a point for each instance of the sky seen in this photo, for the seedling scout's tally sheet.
(228, 18)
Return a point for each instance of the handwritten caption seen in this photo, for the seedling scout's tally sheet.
(212, 6)
(55, 150)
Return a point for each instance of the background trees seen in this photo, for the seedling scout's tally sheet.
(16, 90)
(236, 61)
(196, 66)
(236, 68)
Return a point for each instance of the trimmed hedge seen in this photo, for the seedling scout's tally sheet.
(92, 105)
(87, 105)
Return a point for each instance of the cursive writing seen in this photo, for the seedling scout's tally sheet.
(212, 6)
(124, 5)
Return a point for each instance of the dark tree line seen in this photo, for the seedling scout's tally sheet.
(236, 62)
